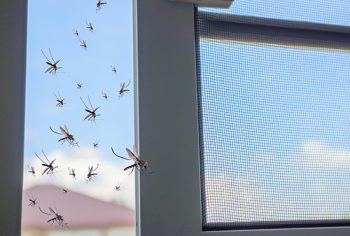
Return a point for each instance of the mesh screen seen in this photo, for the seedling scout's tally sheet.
(275, 134)
(316, 11)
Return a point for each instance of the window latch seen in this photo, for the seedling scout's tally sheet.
(208, 3)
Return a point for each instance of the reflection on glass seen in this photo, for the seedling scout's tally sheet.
(59, 199)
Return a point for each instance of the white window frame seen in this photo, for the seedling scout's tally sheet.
(167, 133)
(13, 23)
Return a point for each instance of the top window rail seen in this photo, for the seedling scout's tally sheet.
(249, 29)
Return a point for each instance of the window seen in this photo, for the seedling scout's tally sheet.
(274, 125)
(89, 187)
(168, 128)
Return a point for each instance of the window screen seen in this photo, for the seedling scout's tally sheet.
(275, 129)
(316, 11)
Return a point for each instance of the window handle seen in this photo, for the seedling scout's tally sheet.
(208, 3)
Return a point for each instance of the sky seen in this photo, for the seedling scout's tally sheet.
(51, 25)
(276, 122)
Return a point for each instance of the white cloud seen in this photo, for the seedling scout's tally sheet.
(314, 154)
(308, 185)
(101, 187)
(240, 200)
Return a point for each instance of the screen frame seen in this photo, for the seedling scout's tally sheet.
(167, 129)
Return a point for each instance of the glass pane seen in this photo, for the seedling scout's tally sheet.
(316, 11)
(275, 135)
(92, 206)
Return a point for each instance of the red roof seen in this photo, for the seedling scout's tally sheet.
(77, 210)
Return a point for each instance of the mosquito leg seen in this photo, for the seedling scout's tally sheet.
(51, 56)
(84, 103)
(132, 170)
(54, 131)
(62, 139)
(120, 156)
(45, 55)
(92, 108)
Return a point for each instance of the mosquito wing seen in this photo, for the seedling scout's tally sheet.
(64, 130)
(132, 155)
(52, 211)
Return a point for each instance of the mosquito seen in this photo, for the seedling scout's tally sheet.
(76, 33)
(57, 218)
(53, 67)
(100, 4)
(123, 89)
(91, 116)
(72, 173)
(96, 144)
(79, 85)
(64, 190)
(32, 201)
(91, 173)
(114, 69)
(104, 95)
(83, 44)
(90, 26)
(117, 188)
(59, 100)
(138, 163)
(31, 170)
(49, 164)
(67, 136)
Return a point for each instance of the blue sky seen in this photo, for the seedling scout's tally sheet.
(276, 122)
(50, 25)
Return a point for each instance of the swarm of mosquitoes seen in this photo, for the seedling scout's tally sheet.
(50, 166)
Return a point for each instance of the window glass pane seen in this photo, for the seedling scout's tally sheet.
(92, 207)
(275, 134)
(316, 11)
